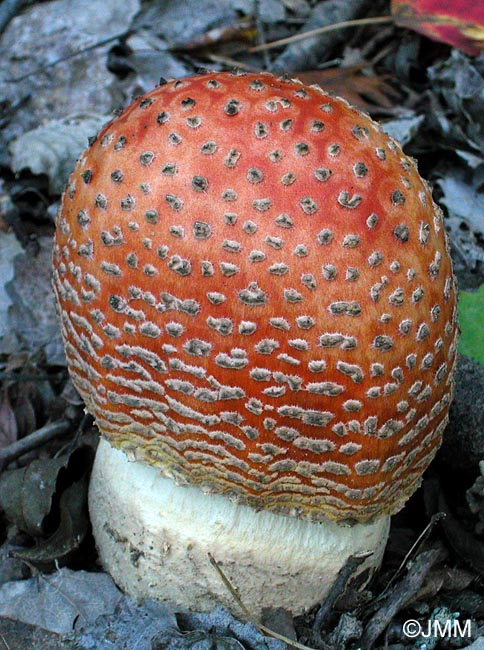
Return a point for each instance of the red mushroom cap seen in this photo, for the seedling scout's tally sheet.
(256, 295)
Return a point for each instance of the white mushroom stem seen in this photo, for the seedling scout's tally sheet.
(154, 538)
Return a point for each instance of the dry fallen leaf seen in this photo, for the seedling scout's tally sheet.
(9, 248)
(60, 601)
(367, 92)
(31, 496)
(8, 423)
(243, 31)
(73, 527)
(31, 320)
(53, 147)
(457, 22)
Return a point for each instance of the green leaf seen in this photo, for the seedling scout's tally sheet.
(471, 321)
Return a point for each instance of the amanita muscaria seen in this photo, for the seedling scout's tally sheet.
(258, 308)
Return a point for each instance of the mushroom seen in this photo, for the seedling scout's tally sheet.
(258, 308)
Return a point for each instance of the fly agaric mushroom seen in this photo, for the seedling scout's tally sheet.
(258, 308)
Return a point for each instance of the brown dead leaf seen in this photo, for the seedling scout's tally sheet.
(27, 393)
(243, 31)
(30, 406)
(369, 92)
(8, 423)
(71, 532)
(31, 497)
(7, 208)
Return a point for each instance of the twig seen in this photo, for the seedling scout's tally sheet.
(337, 588)
(74, 441)
(7, 376)
(381, 55)
(262, 628)
(261, 40)
(231, 63)
(45, 67)
(402, 593)
(413, 550)
(357, 22)
(34, 440)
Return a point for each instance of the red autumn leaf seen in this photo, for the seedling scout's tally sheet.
(457, 22)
